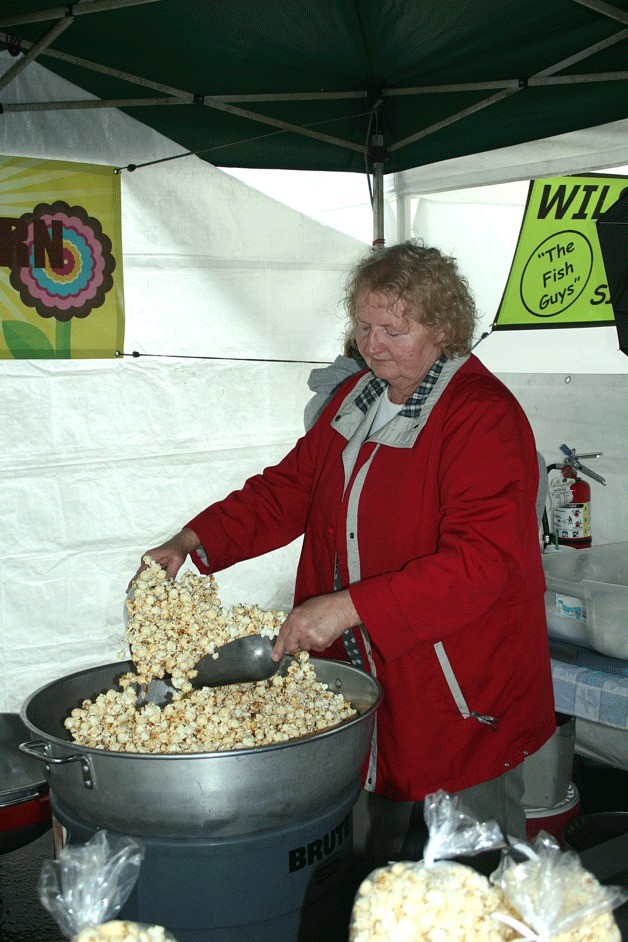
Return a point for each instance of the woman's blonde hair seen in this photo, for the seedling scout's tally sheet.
(430, 285)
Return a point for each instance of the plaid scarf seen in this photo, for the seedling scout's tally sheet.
(412, 409)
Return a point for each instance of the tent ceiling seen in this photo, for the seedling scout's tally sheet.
(310, 86)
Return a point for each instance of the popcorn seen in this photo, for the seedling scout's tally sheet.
(599, 929)
(549, 897)
(120, 930)
(449, 902)
(409, 902)
(556, 893)
(171, 626)
(210, 719)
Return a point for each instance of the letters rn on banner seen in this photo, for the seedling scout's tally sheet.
(557, 277)
(61, 293)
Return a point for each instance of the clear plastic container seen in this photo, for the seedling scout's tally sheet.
(587, 597)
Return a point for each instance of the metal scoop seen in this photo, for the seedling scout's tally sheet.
(242, 661)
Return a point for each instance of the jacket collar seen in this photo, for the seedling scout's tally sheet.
(412, 408)
(359, 406)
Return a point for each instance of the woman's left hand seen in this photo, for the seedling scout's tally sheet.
(315, 624)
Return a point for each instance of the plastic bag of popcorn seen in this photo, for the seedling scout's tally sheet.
(549, 895)
(120, 930)
(436, 899)
(87, 886)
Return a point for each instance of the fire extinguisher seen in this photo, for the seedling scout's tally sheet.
(571, 500)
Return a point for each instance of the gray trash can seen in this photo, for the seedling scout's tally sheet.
(601, 840)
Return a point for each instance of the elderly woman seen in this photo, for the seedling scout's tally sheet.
(415, 495)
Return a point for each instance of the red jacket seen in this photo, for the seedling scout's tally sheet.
(436, 534)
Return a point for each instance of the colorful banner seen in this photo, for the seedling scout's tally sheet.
(61, 291)
(557, 278)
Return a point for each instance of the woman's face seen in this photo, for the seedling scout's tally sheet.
(397, 349)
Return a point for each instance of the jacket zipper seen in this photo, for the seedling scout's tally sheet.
(456, 692)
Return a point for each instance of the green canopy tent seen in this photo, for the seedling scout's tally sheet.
(350, 85)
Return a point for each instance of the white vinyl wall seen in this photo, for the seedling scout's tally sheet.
(231, 298)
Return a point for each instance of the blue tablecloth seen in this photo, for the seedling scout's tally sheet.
(590, 693)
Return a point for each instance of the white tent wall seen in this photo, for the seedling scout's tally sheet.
(103, 458)
(101, 461)
(588, 412)
(591, 149)
(226, 272)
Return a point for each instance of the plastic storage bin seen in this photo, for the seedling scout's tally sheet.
(587, 597)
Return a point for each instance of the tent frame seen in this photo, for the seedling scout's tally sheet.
(373, 150)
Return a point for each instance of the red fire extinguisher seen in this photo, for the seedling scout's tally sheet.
(571, 497)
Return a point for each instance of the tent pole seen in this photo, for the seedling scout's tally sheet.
(506, 92)
(378, 205)
(35, 49)
(402, 202)
(378, 154)
(606, 9)
(96, 6)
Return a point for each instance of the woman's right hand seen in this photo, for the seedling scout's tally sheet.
(172, 554)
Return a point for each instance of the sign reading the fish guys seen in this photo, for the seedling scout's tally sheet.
(557, 278)
(61, 293)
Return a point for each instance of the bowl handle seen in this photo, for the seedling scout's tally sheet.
(36, 750)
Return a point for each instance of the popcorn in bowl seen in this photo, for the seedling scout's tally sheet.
(171, 625)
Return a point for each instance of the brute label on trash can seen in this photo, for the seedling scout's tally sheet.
(320, 848)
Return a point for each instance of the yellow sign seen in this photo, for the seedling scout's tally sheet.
(61, 292)
(557, 278)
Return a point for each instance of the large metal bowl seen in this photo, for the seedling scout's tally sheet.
(209, 795)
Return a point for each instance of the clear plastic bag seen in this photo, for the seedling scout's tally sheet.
(550, 894)
(436, 898)
(124, 931)
(89, 883)
(453, 832)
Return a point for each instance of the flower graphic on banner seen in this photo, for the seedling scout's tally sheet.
(61, 285)
(85, 276)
